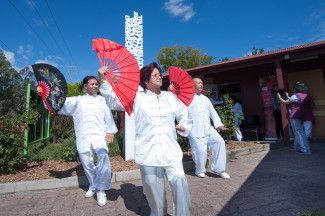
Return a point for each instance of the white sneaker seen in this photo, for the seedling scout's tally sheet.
(223, 175)
(101, 198)
(89, 193)
(201, 175)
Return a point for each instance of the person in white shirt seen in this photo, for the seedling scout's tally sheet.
(203, 135)
(156, 148)
(94, 127)
(239, 116)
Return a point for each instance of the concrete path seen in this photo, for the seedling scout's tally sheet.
(279, 182)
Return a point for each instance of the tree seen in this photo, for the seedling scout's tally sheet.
(224, 59)
(12, 97)
(14, 118)
(257, 51)
(182, 56)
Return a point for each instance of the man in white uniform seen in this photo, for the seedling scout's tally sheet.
(94, 127)
(204, 135)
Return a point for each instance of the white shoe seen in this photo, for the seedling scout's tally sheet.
(101, 198)
(223, 175)
(201, 175)
(90, 193)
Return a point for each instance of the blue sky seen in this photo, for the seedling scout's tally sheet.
(219, 28)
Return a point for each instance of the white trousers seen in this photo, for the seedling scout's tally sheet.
(99, 175)
(154, 188)
(216, 144)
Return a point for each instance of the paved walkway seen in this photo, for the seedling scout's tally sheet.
(279, 182)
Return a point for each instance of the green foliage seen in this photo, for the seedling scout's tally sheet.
(182, 56)
(227, 117)
(74, 90)
(257, 51)
(314, 213)
(13, 117)
(12, 140)
(45, 150)
(116, 148)
(183, 142)
(69, 149)
(12, 97)
(66, 150)
(61, 125)
(224, 59)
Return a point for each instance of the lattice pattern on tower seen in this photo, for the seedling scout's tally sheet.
(134, 36)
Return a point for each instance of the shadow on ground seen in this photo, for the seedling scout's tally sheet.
(284, 183)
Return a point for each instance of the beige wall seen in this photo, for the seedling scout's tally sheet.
(314, 79)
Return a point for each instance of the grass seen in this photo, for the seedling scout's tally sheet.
(314, 213)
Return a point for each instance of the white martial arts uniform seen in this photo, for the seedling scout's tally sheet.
(156, 148)
(203, 135)
(92, 120)
(238, 112)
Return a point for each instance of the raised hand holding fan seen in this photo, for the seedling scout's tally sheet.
(123, 70)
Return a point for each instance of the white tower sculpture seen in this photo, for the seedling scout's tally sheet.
(134, 43)
(134, 36)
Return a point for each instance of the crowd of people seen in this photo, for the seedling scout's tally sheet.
(159, 116)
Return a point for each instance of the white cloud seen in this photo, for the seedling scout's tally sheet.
(24, 53)
(316, 22)
(178, 8)
(10, 56)
(52, 60)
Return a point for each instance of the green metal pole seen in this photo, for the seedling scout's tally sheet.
(42, 124)
(48, 124)
(26, 129)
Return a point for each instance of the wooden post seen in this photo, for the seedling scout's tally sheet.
(285, 125)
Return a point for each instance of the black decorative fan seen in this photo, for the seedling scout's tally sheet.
(53, 86)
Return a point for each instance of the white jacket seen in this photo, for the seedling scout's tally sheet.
(92, 120)
(156, 140)
(201, 111)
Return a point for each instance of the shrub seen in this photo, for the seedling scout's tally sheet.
(12, 140)
(116, 148)
(183, 142)
(227, 118)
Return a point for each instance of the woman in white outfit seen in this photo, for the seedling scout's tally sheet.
(204, 135)
(156, 148)
(94, 127)
(238, 114)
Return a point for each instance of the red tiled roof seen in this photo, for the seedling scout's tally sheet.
(264, 55)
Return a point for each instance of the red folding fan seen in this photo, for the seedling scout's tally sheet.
(123, 70)
(182, 84)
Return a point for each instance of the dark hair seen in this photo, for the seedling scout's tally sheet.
(235, 99)
(300, 87)
(86, 80)
(145, 73)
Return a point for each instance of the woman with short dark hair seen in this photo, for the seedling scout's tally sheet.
(156, 148)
